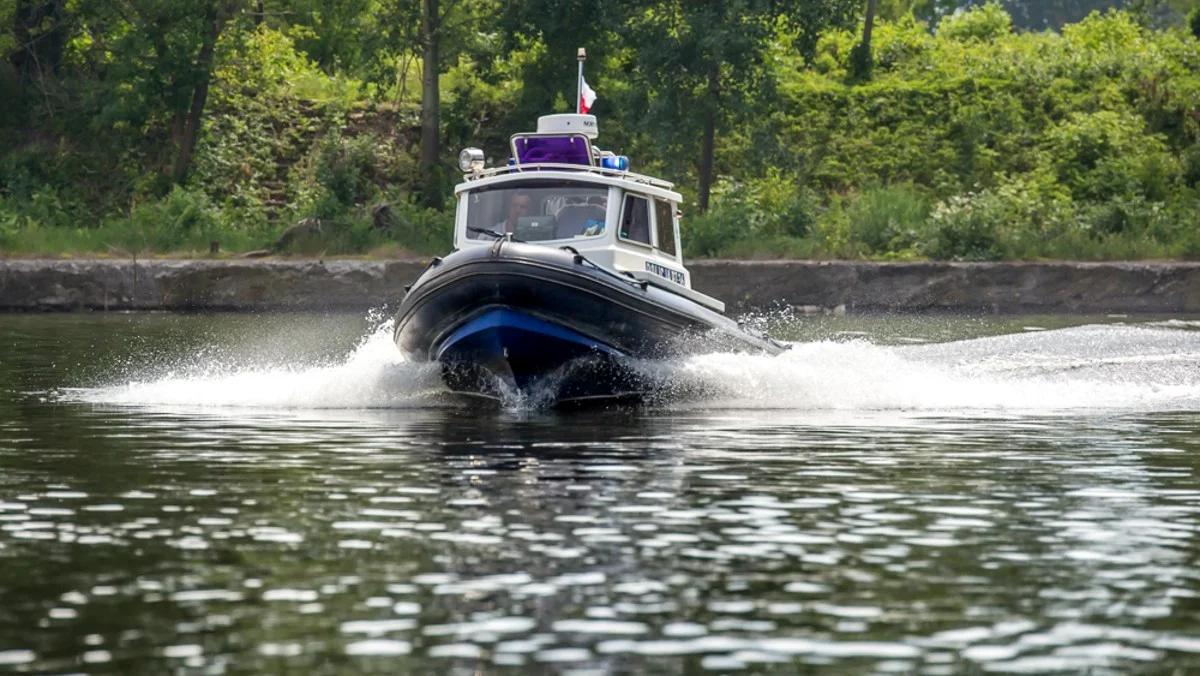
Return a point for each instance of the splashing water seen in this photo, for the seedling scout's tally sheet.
(374, 375)
(1143, 367)
(1089, 367)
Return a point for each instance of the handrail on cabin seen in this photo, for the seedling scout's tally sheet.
(522, 168)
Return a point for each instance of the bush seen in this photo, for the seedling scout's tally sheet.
(184, 218)
(1133, 216)
(771, 248)
(965, 227)
(984, 23)
(346, 168)
(781, 206)
(1083, 144)
(774, 206)
(711, 234)
(11, 223)
(1191, 165)
(1108, 154)
(888, 219)
(421, 230)
(1016, 218)
(1111, 37)
(26, 171)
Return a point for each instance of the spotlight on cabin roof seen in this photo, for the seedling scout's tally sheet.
(471, 160)
(568, 123)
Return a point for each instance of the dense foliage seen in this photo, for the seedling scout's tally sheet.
(137, 126)
(981, 143)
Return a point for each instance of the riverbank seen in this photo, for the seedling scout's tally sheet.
(258, 285)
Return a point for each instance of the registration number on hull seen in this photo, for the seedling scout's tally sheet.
(665, 272)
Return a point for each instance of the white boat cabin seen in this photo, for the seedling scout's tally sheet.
(559, 190)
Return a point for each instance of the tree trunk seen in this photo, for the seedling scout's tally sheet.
(861, 61)
(869, 25)
(20, 57)
(190, 129)
(39, 27)
(430, 105)
(708, 144)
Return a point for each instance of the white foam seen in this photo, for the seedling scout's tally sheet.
(1148, 367)
(1089, 367)
(374, 375)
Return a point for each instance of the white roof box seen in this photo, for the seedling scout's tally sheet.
(568, 123)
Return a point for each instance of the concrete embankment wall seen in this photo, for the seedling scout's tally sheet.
(66, 285)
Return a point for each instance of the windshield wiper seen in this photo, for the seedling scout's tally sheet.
(484, 231)
(494, 234)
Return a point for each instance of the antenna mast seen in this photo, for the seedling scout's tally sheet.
(581, 56)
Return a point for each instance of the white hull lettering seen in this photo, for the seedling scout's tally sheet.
(665, 272)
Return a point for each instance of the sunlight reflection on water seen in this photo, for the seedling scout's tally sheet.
(737, 533)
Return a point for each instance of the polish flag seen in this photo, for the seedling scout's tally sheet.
(586, 97)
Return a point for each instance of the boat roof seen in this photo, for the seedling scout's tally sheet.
(626, 180)
(561, 148)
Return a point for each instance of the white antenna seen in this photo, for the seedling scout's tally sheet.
(581, 56)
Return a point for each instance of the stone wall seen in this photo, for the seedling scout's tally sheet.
(35, 285)
(1059, 287)
(202, 284)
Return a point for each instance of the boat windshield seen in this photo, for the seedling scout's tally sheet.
(537, 210)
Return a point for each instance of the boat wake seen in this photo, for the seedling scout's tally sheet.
(1116, 367)
(1134, 367)
(372, 375)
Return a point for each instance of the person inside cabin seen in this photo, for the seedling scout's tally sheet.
(518, 207)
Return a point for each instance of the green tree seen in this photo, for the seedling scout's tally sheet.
(705, 68)
(861, 60)
(39, 35)
(1029, 14)
(546, 33)
(358, 38)
(810, 18)
(893, 10)
(439, 21)
(431, 102)
(985, 22)
(708, 68)
(33, 38)
(149, 65)
(338, 34)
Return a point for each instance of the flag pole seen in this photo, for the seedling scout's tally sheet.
(581, 56)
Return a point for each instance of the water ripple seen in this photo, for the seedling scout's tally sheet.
(677, 537)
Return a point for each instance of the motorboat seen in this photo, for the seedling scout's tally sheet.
(566, 278)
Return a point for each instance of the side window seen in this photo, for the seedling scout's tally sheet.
(635, 220)
(665, 226)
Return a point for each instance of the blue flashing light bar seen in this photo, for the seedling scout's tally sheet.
(617, 162)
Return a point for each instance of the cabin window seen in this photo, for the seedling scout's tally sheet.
(635, 220)
(534, 211)
(664, 226)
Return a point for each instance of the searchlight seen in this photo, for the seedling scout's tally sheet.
(471, 160)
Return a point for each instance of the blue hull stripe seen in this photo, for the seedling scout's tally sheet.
(508, 346)
(502, 329)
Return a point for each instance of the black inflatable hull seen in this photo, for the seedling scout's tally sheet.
(514, 319)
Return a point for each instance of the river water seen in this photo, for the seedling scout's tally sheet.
(247, 494)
